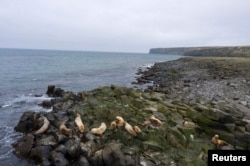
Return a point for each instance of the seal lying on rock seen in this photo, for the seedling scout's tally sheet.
(155, 121)
(100, 130)
(119, 121)
(137, 129)
(218, 142)
(64, 130)
(112, 125)
(188, 124)
(130, 129)
(44, 127)
(78, 123)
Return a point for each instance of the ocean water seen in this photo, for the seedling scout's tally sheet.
(25, 74)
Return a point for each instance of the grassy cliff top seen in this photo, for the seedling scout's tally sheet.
(233, 51)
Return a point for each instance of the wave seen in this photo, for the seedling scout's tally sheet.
(7, 138)
(24, 99)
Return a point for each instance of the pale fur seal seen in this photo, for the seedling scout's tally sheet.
(78, 123)
(44, 127)
(218, 142)
(64, 130)
(188, 124)
(119, 121)
(130, 129)
(155, 121)
(137, 129)
(146, 123)
(100, 130)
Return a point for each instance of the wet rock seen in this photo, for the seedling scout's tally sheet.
(24, 146)
(50, 90)
(46, 104)
(27, 122)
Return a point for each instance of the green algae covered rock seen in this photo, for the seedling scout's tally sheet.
(163, 143)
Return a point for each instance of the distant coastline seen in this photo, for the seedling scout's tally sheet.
(218, 51)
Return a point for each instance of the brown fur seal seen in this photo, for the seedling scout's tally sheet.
(112, 125)
(64, 130)
(100, 130)
(218, 142)
(78, 123)
(155, 121)
(44, 127)
(119, 121)
(188, 124)
(130, 129)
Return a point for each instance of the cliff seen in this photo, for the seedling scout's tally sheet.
(234, 51)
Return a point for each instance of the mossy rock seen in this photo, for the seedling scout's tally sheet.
(209, 126)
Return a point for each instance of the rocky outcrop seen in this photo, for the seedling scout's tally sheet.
(165, 143)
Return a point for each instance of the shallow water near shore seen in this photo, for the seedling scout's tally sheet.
(25, 75)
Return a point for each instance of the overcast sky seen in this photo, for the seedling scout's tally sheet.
(123, 25)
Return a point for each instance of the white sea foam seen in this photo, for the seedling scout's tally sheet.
(149, 65)
(25, 99)
(8, 137)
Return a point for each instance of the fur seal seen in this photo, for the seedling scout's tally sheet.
(119, 121)
(218, 142)
(155, 121)
(100, 130)
(130, 129)
(78, 123)
(188, 124)
(137, 129)
(64, 130)
(44, 127)
(112, 125)
(146, 123)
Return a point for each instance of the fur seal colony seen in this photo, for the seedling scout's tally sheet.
(119, 122)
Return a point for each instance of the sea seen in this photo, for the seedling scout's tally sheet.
(26, 73)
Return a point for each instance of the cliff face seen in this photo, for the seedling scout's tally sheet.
(236, 51)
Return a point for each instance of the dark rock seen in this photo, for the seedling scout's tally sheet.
(112, 155)
(58, 92)
(40, 154)
(24, 146)
(83, 161)
(72, 149)
(27, 122)
(46, 104)
(58, 159)
(50, 90)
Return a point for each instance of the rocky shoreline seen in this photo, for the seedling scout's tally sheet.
(191, 99)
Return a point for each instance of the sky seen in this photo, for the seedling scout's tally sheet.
(123, 25)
